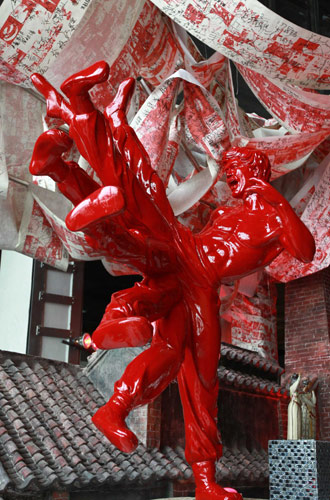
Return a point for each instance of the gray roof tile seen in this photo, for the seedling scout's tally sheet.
(47, 438)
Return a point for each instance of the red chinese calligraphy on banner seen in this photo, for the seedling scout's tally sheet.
(57, 37)
(253, 319)
(296, 109)
(38, 240)
(254, 36)
(150, 52)
(316, 216)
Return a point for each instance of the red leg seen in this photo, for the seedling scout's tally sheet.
(88, 128)
(198, 386)
(127, 319)
(47, 155)
(126, 140)
(122, 332)
(76, 87)
(87, 125)
(144, 379)
(57, 107)
(197, 379)
(131, 149)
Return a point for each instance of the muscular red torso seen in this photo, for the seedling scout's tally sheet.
(240, 240)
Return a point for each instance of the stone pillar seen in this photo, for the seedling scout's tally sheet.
(299, 469)
(307, 349)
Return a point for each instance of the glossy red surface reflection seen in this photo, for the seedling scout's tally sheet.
(127, 217)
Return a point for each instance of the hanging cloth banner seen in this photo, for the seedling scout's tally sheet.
(150, 52)
(285, 151)
(131, 36)
(3, 165)
(162, 54)
(316, 216)
(282, 150)
(254, 36)
(37, 238)
(299, 110)
(10, 211)
(253, 320)
(152, 125)
(43, 234)
(59, 37)
(206, 126)
(203, 70)
(21, 123)
(296, 109)
(55, 209)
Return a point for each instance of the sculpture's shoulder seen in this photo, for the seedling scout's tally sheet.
(226, 211)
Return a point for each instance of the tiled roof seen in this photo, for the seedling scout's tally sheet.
(249, 382)
(244, 370)
(235, 466)
(245, 358)
(244, 467)
(47, 440)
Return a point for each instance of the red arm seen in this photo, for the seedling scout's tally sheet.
(296, 237)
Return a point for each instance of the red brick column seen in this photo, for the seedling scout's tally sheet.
(154, 423)
(307, 349)
(184, 488)
(282, 409)
(60, 495)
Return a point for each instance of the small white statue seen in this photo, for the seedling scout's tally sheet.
(294, 409)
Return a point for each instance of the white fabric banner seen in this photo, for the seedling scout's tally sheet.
(60, 37)
(20, 126)
(252, 35)
(316, 216)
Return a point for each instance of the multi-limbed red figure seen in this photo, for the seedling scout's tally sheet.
(127, 217)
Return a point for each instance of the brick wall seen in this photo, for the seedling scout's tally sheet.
(154, 423)
(184, 488)
(60, 495)
(137, 422)
(283, 417)
(307, 349)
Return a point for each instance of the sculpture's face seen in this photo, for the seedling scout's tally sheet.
(238, 178)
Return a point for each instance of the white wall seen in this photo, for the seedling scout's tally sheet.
(15, 291)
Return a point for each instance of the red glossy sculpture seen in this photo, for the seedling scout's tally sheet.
(127, 217)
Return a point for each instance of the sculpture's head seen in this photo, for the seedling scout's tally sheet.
(241, 164)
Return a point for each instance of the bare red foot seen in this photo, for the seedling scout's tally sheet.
(214, 492)
(110, 420)
(83, 81)
(56, 105)
(46, 158)
(206, 486)
(103, 203)
(76, 87)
